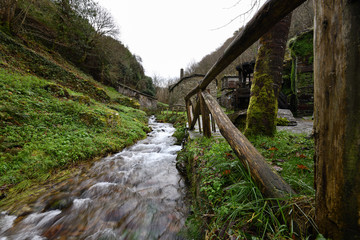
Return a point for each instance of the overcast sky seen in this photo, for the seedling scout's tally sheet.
(169, 35)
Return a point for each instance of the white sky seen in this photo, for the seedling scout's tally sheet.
(169, 34)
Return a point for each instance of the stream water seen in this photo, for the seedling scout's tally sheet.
(135, 194)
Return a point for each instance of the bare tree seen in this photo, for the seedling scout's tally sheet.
(99, 18)
(103, 22)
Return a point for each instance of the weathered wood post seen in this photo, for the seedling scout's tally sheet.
(212, 123)
(337, 118)
(196, 113)
(205, 116)
(188, 111)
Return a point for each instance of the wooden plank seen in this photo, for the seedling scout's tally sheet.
(267, 179)
(205, 117)
(270, 13)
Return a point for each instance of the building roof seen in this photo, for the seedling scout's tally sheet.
(171, 87)
(131, 89)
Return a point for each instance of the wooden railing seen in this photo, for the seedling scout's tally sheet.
(268, 181)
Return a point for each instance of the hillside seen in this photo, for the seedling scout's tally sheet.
(54, 113)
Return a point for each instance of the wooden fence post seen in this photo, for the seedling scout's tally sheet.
(213, 123)
(205, 116)
(188, 111)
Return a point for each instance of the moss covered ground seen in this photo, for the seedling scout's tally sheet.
(46, 127)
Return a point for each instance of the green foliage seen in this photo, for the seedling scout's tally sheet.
(180, 134)
(282, 122)
(42, 130)
(302, 46)
(176, 118)
(227, 204)
(292, 155)
(20, 57)
(80, 31)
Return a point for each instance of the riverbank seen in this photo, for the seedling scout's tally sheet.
(134, 194)
(48, 129)
(226, 204)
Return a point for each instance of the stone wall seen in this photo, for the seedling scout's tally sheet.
(179, 90)
(145, 101)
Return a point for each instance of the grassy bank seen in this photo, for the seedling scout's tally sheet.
(46, 127)
(226, 202)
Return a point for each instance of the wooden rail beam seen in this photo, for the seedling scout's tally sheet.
(269, 14)
(269, 182)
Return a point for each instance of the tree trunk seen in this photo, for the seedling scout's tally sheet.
(7, 11)
(337, 118)
(262, 110)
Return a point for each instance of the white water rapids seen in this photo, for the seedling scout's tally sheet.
(135, 194)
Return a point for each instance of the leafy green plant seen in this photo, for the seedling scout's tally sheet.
(227, 204)
(42, 130)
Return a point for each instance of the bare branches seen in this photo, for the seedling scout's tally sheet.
(98, 17)
(254, 6)
(103, 22)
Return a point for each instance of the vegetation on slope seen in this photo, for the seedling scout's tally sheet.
(45, 126)
(82, 32)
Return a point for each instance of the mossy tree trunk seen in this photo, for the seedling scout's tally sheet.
(262, 110)
(337, 118)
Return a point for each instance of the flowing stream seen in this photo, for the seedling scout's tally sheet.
(135, 194)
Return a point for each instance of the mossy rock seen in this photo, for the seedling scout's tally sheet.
(82, 99)
(101, 94)
(129, 102)
(91, 118)
(282, 122)
(57, 90)
(59, 202)
(112, 119)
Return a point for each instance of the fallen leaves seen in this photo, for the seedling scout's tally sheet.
(302, 167)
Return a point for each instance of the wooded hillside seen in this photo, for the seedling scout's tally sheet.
(80, 31)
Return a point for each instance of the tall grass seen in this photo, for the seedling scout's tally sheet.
(228, 204)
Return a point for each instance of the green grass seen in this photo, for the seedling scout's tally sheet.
(43, 129)
(292, 155)
(228, 205)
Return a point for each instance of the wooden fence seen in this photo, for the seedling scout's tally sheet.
(200, 102)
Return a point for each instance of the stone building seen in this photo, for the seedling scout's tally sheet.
(179, 90)
(146, 101)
